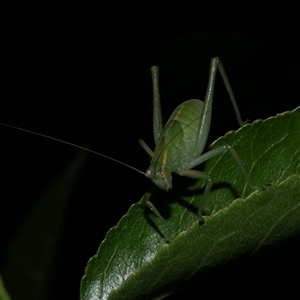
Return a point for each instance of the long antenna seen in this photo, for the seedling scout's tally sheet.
(74, 145)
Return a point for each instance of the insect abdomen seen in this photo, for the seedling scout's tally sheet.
(176, 147)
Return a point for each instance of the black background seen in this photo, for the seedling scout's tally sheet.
(81, 73)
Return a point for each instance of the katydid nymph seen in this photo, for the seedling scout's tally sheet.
(180, 143)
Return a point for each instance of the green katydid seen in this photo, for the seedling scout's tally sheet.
(180, 143)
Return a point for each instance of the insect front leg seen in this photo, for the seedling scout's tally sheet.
(147, 201)
(146, 148)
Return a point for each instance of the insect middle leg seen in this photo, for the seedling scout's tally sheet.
(201, 175)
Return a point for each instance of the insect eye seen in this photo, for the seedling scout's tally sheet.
(162, 173)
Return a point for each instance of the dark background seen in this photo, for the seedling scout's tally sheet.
(81, 73)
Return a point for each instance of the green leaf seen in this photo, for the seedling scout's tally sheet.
(29, 264)
(3, 293)
(135, 262)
